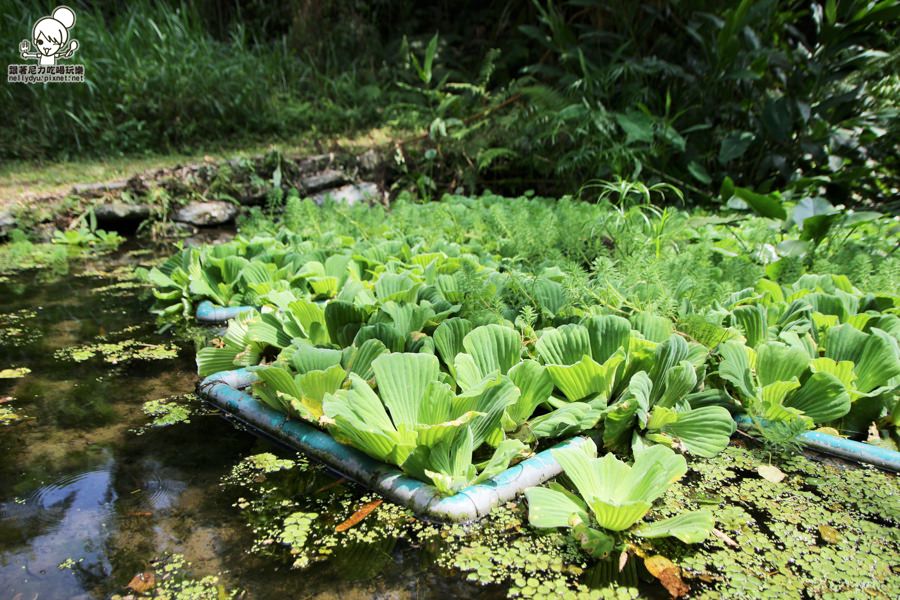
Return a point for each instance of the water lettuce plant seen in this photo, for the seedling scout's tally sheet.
(417, 422)
(610, 497)
(777, 382)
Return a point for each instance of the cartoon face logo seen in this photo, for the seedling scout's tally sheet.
(50, 37)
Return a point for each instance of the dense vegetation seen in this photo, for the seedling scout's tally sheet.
(796, 97)
(476, 331)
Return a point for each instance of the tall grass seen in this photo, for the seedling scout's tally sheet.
(156, 80)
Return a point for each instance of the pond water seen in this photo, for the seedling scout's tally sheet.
(90, 496)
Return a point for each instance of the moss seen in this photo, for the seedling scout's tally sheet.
(118, 352)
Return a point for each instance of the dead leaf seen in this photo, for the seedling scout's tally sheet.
(829, 534)
(725, 538)
(328, 486)
(668, 574)
(6, 399)
(142, 582)
(623, 560)
(359, 515)
(770, 473)
(873, 434)
(139, 513)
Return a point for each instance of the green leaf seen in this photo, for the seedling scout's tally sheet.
(776, 119)
(343, 321)
(607, 334)
(752, 320)
(307, 357)
(879, 361)
(679, 382)
(567, 420)
(704, 431)
(734, 146)
(214, 360)
(618, 424)
(493, 348)
(448, 339)
(360, 361)
(699, 172)
(316, 384)
(779, 362)
(535, 386)
(402, 379)
(565, 345)
(549, 508)
(655, 328)
(594, 542)
(637, 126)
(822, 398)
(586, 377)
(691, 528)
(765, 205)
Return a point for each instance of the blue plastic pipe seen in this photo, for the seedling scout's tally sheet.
(207, 312)
(472, 503)
(841, 447)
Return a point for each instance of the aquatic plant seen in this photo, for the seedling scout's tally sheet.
(416, 422)
(614, 496)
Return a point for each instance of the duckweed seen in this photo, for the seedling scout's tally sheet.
(118, 352)
(770, 541)
(169, 411)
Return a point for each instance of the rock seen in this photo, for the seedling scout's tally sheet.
(7, 222)
(311, 164)
(212, 212)
(95, 190)
(112, 214)
(328, 178)
(350, 194)
(369, 161)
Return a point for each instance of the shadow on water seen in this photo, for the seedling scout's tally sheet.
(79, 486)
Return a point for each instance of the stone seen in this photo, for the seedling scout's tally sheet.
(369, 161)
(212, 212)
(115, 213)
(7, 222)
(311, 164)
(350, 194)
(95, 190)
(328, 178)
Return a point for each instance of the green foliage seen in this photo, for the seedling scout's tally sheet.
(615, 496)
(156, 79)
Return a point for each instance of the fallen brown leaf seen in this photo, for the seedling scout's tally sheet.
(668, 574)
(359, 515)
(328, 486)
(142, 582)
